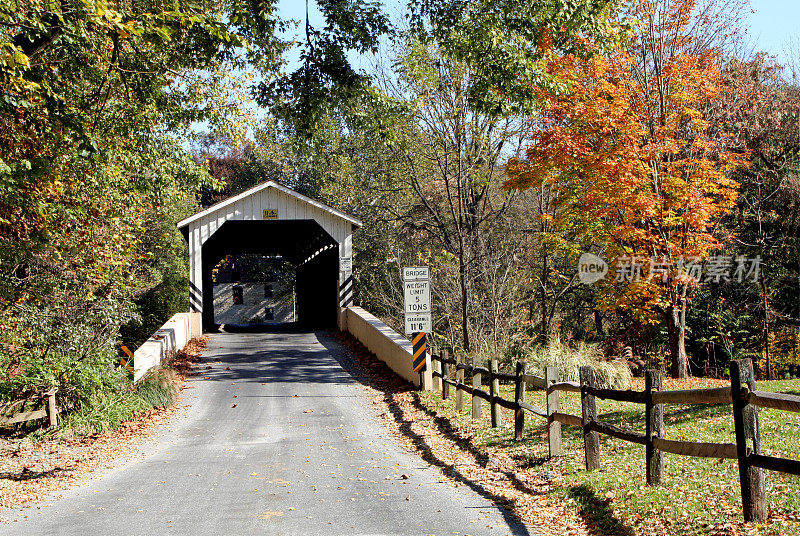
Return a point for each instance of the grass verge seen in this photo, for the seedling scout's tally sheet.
(109, 408)
(698, 496)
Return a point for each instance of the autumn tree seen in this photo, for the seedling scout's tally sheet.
(637, 167)
(761, 105)
(449, 157)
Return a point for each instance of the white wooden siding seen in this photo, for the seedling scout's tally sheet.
(250, 206)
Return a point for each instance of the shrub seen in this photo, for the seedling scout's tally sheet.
(70, 347)
(105, 409)
(609, 374)
(158, 387)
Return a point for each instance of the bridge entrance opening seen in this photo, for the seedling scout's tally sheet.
(257, 290)
(294, 263)
(270, 228)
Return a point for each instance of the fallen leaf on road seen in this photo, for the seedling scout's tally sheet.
(269, 515)
(233, 406)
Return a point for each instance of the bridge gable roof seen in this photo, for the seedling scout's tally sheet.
(222, 205)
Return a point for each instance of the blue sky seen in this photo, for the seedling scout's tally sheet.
(774, 24)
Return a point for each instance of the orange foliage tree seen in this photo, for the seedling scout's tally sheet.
(640, 172)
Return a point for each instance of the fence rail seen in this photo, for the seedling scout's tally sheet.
(741, 394)
(10, 415)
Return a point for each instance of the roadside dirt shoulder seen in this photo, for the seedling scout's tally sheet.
(30, 470)
(490, 472)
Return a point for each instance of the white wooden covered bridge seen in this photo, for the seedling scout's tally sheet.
(270, 219)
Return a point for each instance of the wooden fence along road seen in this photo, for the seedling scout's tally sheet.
(17, 411)
(743, 396)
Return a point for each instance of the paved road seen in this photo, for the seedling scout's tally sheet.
(278, 440)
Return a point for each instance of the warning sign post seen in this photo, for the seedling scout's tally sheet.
(417, 309)
(420, 344)
(417, 299)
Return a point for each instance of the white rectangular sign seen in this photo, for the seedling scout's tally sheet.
(415, 273)
(418, 323)
(417, 296)
(345, 264)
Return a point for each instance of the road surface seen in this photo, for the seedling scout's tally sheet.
(278, 439)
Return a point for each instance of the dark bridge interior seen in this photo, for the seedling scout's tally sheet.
(303, 243)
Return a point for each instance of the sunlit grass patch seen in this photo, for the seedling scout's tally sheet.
(698, 495)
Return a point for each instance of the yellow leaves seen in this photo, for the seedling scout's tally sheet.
(14, 58)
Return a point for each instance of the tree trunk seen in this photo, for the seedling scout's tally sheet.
(765, 302)
(462, 278)
(676, 327)
(543, 302)
(598, 325)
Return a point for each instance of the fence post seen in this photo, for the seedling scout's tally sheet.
(494, 392)
(459, 384)
(553, 405)
(745, 420)
(519, 397)
(654, 424)
(52, 410)
(445, 375)
(477, 383)
(591, 439)
(436, 364)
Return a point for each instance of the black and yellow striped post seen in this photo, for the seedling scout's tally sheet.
(127, 363)
(419, 342)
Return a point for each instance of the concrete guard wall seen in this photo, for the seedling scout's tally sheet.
(167, 340)
(388, 345)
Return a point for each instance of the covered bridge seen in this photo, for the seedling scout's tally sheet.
(270, 219)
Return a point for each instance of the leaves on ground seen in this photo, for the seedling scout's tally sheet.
(30, 469)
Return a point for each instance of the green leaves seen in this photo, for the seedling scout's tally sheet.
(326, 82)
(91, 172)
(506, 42)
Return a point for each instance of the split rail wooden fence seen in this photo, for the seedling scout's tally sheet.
(745, 400)
(10, 413)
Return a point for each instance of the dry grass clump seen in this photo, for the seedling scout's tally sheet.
(609, 374)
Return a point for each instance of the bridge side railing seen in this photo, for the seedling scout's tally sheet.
(388, 345)
(168, 339)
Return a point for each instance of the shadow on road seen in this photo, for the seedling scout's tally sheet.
(368, 370)
(284, 327)
(27, 474)
(242, 356)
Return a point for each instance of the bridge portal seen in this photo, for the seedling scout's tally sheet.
(272, 220)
